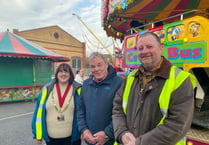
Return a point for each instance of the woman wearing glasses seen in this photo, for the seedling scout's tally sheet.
(54, 118)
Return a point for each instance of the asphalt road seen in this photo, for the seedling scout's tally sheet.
(15, 123)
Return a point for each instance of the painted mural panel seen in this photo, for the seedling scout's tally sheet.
(12, 94)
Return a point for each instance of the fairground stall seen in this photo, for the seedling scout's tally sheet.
(24, 67)
(182, 26)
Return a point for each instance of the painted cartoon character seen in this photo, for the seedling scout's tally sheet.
(131, 42)
(194, 30)
(161, 34)
(175, 32)
(6, 94)
(27, 92)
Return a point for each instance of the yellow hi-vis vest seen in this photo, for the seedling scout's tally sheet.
(176, 78)
(40, 112)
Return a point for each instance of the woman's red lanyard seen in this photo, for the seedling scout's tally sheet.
(60, 97)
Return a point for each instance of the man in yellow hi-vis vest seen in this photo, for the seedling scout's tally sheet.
(155, 104)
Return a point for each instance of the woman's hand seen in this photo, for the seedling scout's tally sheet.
(38, 141)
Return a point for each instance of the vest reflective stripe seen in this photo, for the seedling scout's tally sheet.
(176, 78)
(79, 91)
(169, 86)
(39, 115)
(126, 92)
(193, 80)
(182, 141)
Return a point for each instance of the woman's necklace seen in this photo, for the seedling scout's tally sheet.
(61, 100)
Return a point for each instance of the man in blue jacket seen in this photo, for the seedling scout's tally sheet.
(94, 114)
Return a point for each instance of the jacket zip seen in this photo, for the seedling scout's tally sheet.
(94, 112)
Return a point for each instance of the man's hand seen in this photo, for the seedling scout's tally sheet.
(82, 137)
(87, 135)
(128, 139)
(38, 141)
(100, 138)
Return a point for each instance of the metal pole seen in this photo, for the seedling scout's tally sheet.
(79, 18)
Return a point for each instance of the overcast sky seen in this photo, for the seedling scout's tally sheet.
(32, 14)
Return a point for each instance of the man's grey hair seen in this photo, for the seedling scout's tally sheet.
(157, 38)
(96, 54)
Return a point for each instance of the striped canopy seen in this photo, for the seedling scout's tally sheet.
(118, 14)
(15, 46)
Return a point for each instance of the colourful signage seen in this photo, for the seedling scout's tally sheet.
(184, 41)
(131, 58)
(186, 53)
(177, 54)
